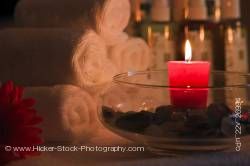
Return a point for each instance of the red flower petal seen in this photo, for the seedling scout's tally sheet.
(17, 122)
(25, 117)
(27, 103)
(17, 95)
(35, 120)
(7, 88)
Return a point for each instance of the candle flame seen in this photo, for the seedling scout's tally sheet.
(188, 51)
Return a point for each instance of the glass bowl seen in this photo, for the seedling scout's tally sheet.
(140, 106)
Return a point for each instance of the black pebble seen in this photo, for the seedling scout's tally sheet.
(198, 122)
(216, 112)
(107, 112)
(135, 122)
(162, 114)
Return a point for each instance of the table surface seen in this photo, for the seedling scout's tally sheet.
(145, 159)
(130, 158)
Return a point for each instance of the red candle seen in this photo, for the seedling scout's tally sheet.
(188, 81)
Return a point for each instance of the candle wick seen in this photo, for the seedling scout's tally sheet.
(188, 60)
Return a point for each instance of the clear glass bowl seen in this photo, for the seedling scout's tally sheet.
(140, 106)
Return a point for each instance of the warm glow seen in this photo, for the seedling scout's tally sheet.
(150, 36)
(230, 35)
(229, 3)
(188, 51)
(217, 14)
(166, 32)
(138, 14)
(186, 9)
(238, 30)
(186, 13)
(202, 33)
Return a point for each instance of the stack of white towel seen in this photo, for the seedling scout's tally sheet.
(114, 51)
(86, 55)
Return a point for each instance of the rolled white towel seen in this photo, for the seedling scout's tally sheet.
(44, 57)
(131, 55)
(90, 61)
(112, 39)
(56, 13)
(112, 20)
(69, 113)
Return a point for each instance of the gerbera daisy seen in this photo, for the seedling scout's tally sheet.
(18, 119)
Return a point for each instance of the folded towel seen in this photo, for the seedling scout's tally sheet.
(57, 13)
(112, 20)
(69, 113)
(44, 57)
(131, 55)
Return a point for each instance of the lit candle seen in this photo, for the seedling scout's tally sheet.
(188, 81)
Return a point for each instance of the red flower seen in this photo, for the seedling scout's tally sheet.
(17, 123)
(245, 116)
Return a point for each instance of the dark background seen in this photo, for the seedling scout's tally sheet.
(245, 8)
(7, 8)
